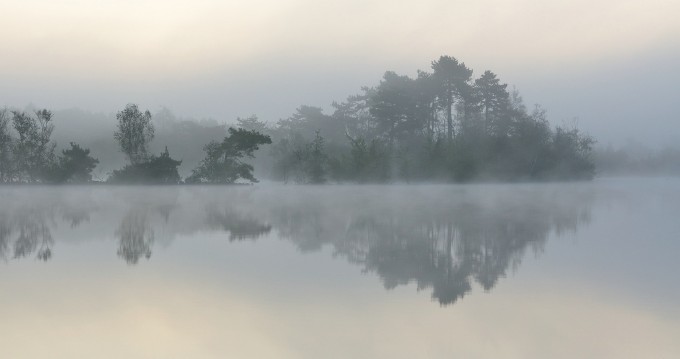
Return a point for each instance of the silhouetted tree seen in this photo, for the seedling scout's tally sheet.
(354, 113)
(224, 161)
(252, 123)
(6, 146)
(393, 106)
(494, 103)
(75, 165)
(450, 76)
(571, 155)
(33, 149)
(285, 159)
(367, 162)
(134, 133)
(306, 121)
(426, 103)
(163, 169)
(155, 170)
(313, 161)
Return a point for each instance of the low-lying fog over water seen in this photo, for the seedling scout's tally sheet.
(561, 270)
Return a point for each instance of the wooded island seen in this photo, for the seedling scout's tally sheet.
(444, 125)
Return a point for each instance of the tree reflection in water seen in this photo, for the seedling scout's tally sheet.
(240, 226)
(5, 233)
(442, 239)
(27, 231)
(135, 235)
(76, 215)
(444, 244)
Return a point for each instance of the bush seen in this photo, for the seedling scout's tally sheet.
(157, 170)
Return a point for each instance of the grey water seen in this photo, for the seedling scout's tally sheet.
(560, 270)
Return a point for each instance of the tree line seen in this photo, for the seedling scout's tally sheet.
(442, 125)
(27, 153)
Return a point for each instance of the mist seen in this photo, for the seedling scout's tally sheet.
(427, 254)
(339, 179)
(578, 64)
(444, 125)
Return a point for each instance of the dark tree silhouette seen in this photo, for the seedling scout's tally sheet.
(75, 165)
(495, 104)
(155, 170)
(224, 161)
(163, 169)
(451, 77)
(33, 150)
(6, 145)
(312, 161)
(393, 106)
(134, 133)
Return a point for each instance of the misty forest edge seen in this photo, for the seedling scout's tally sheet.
(441, 126)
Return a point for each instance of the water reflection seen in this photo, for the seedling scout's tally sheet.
(444, 244)
(446, 251)
(135, 235)
(26, 232)
(443, 239)
(240, 227)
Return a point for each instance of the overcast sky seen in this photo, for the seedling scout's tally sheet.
(610, 64)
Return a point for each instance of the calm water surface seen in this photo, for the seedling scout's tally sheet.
(579, 270)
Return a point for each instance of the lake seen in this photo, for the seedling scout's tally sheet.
(559, 270)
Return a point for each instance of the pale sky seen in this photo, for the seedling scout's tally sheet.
(609, 63)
